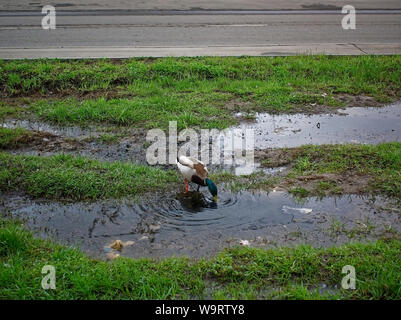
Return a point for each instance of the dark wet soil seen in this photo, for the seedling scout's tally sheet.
(51, 139)
(191, 224)
(345, 183)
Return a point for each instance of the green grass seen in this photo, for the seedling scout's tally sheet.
(11, 138)
(77, 178)
(299, 192)
(203, 92)
(237, 273)
(340, 158)
(196, 92)
(8, 111)
(145, 112)
(340, 74)
(380, 163)
(108, 138)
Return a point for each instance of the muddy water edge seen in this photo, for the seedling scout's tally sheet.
(172, 224)
(177, 224)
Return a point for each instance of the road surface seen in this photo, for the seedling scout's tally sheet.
(198, 4)
(171, 28)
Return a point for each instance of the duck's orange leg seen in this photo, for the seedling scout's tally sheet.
(186, 186)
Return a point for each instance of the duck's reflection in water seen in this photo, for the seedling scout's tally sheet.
(194, 201)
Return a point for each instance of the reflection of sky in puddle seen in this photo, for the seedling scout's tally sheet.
(355, 125)
(359, 125)
(183, 223)
(71, 132)
(247, 170)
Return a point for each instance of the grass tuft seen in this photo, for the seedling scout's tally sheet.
(77, 178)
(236, 273)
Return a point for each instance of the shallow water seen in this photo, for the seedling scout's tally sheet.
(191, 224)
(66, 131)
(353, 125)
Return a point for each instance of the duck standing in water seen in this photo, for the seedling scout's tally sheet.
(195, 171)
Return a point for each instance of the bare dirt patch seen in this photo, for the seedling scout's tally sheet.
(273, 158)
(236, 105)
(358, 100)
(45, 141)
(345, 183)
(350, 181)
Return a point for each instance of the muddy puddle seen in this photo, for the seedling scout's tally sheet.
(65, 131)
(191, 224)
(82, 141)
(368, 125)
(351, 125)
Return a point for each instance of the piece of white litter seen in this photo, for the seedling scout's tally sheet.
(153, 228)
(288, 209)
(128, 243)
(244, 243)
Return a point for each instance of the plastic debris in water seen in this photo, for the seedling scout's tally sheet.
(112, 255)
(244, 243)
(117, 245)
(288, 209)
(153, 228)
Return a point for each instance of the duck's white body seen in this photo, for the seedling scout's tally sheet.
(186, 172)
(190, 167)
(194, 170)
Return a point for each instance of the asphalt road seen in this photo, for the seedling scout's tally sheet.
(197, 4)
(122, 33)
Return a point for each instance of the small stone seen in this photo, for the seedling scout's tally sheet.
(244, 243)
